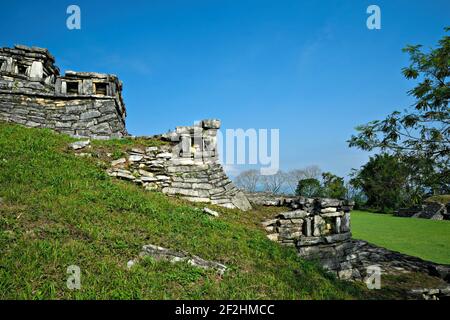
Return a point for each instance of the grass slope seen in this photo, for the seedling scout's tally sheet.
(60, 210)
(427, 239)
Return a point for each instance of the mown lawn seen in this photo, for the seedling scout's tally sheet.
(426, 239)
(59, 210)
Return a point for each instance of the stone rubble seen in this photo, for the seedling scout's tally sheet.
(160, 253)
(130, 264)
(432, 210)
(315, 221)
(79, 144)
(210, 212)
(193, 173)
(320, 230)
(361, 255)
(90, 105)
(431, 294)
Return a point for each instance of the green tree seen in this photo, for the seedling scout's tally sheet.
(421, 133)
(356, 194)
(309, 188)
(333, 186)
(385, 182)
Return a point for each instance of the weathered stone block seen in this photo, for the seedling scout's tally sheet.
(90, 114)
(211, 124)
(319, 226)
(328, 210)
(269, 222)
(337, 225)
(332, 214)
(294, 214)
(324, 202)
(307, 227)
(135, 158)
(309, 241)
(338, 237)
(345, 222)
(273, 236)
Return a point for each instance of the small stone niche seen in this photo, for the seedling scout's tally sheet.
(72, 87)
(101, 88)
(22, 69)
(311, 223)
(328, 227)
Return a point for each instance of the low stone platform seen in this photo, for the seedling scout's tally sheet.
(320, 230)
(431, 210)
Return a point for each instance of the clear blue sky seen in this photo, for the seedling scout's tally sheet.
(310, 68)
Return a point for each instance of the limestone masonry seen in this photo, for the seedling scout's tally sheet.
(90, 105)
(188, 167)
(430, 210)
(320, 230)
(82, 104)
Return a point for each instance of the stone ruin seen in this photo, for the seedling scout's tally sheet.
(90, 105)
(320, 230)
(188, 167)
(81, 104)
(429, 210)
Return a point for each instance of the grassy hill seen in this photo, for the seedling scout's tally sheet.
(426, 239)
(59, 210)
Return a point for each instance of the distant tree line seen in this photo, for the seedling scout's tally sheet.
(308, 182)
(281, 182)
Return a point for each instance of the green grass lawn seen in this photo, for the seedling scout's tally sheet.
(60, 210)
(426, 239)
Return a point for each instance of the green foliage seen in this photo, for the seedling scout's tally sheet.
(384, 180)
(421, 133)
(390, 182)
(444, 199)
(427, 239)
(309, 188)
(424, 128)
(427, 178)
(356, 194)
(333, 186)
(60, 210)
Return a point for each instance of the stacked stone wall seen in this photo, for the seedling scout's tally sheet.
(187, 167)
(83, 117)
(431, 210)
(318, 228)
(34, 94)
(90, 105)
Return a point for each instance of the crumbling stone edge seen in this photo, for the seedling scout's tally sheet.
(160, 253)
(320, 230)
